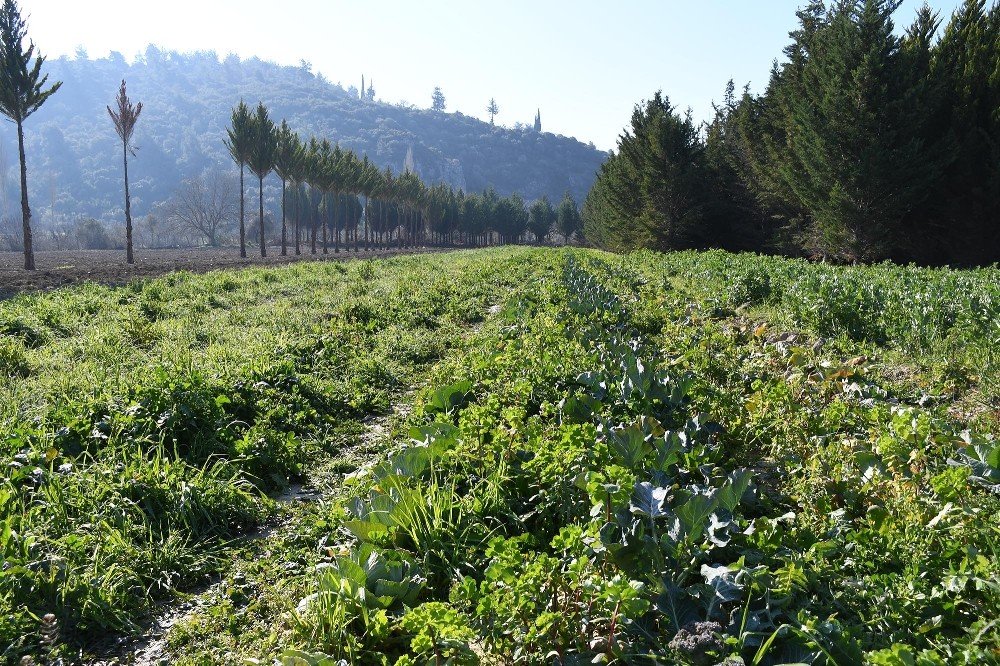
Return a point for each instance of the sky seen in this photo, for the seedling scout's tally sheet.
(583, 63)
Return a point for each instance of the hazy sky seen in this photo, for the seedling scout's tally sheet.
(584, 63)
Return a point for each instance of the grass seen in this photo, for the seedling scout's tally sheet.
(689, 458)
(142, 427)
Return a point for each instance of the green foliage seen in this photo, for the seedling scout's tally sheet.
(142, 426)
(617, 468)
(651, 192)
(866, 145)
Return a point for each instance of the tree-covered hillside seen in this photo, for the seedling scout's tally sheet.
(74, 154)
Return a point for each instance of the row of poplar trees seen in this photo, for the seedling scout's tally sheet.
(322, 186)
(866, 145)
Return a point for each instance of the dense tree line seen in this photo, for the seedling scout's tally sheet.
(187, 100)
(865, 145)
(331, 196)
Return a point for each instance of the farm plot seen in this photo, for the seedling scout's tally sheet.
(141, 427)
(622, 464)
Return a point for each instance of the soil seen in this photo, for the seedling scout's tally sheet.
(59, 268)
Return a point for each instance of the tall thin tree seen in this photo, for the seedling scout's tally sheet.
(239, 143)
(285, 159)
(492, 109)
(22, 92)
(262, 149)
(124, 118)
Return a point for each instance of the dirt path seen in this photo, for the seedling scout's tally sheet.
(152, 647)
(59, 268)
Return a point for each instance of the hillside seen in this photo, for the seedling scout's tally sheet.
(74, 158)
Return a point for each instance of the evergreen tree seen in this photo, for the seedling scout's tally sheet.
(22, 92)
(653, 191)
(492, 109)
(261, 160)
(541, 217)
(124, 119)
(286, 157)
(239, 143)
(538, 121)
(854, 130)
(965, 65)
(437, 99)
(568, 220)
(733, 218)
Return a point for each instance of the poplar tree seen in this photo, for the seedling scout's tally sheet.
(124, 118)
(22, 92)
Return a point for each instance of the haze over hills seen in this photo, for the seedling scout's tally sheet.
(74, 156)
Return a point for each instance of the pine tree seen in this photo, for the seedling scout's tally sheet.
(262, 153)
(652, 193)
(239, 144)
(541, 217)
(965, 65)
(492, 109)
(567, 217)
(538, 121)
(286, 158)
(21, 94)
(437, 99)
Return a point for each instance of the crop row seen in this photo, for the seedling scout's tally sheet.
(563, 497)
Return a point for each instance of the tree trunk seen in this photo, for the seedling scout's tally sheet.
(298, 216)
(336, 225)
(29, 252)
(368, 220)
(243, 229)
(326, 240)
(284, 226)
(313, 220)
(263, 248)
(128, 211)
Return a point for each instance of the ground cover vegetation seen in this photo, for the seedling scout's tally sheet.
(868, 143)
(142, 427)
(652, 459)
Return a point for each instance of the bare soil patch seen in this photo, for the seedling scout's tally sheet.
(59, 268)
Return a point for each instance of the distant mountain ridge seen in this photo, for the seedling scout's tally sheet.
(74, 156)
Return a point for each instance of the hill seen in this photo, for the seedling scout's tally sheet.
(74, 154)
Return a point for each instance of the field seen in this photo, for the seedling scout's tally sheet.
(60, 268)
(513, 455)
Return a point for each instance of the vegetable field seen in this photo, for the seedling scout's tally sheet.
(511, 455)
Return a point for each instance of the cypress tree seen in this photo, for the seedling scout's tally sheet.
(965, 65)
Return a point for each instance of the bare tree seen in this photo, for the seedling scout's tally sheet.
(204, 205)
(124, 118)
